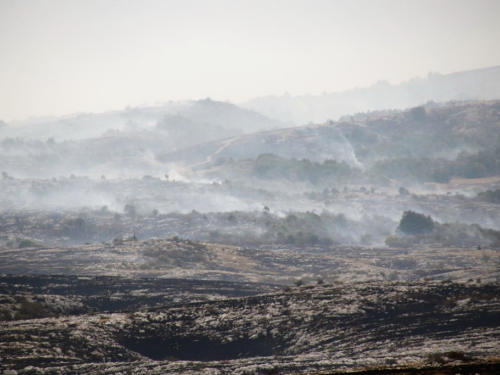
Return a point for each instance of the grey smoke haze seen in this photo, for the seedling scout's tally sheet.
(187, 152)
(206, 115)
(480, 84)
(63, 57)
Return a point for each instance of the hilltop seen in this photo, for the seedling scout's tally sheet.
(478, 84)
(108, 143)
(201, 113)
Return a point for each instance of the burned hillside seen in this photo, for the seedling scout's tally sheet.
(365, 244)
(305, 329)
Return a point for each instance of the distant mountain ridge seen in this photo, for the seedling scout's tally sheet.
(205, 115)
(478, 84)
(116, 141)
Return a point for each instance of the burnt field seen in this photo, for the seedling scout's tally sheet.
(273, 264)
(111, 294)
(309, 329)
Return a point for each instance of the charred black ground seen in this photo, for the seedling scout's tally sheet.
(303, 329)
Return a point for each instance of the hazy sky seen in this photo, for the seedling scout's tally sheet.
(64, 56)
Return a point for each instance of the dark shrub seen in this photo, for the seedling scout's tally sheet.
(413, 223)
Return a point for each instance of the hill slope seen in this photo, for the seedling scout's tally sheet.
(202, 113)
(114, 143)
(442, 131)
(479, 84)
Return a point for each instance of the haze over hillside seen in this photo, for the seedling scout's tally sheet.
(120, 143)
(202, 116)
(355, 231)
(442, 132)
(440, 150)
(206, 139)
(478, 84)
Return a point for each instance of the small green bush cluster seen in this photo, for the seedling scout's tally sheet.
(306, 229)
(272, 167)
(433, 169)
(415, 228)
(188, 252)
(413, 223)
(5, 315)
(31, 310)
(22, 243)
(451, 356)
(395, 241)
(490, 196)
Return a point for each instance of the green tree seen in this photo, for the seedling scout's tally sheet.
(418, 114)
(491, 196)
(413, 223)
(24, 243)
(130, 210)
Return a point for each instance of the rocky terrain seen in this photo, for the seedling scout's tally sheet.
(335, 327)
